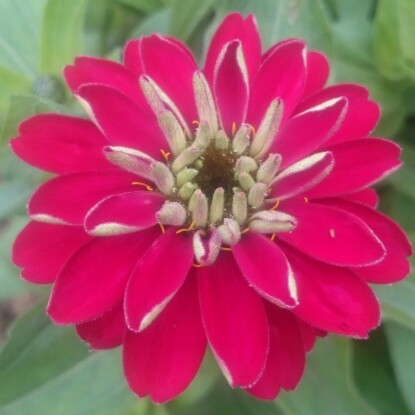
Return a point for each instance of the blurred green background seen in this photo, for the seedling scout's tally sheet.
(45, 370)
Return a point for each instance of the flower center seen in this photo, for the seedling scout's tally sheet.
(217, 171)
(216, 186)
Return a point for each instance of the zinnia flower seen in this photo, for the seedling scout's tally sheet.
(229, 205)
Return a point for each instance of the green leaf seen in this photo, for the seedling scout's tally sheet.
(372, 357)
(404, 178)
(282, 19)
(47, 369)
(20, 22)
(327, 386)
(398, 303)
(10, 283)
(187, 15)
(21, 107)
(13, 196)
(402, 345)
(11, 83)
(144, 6)
(61, 34)
(224, 400)
(158, 22)
(394, 34)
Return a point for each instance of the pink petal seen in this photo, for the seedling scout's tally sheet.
(308, 334)
(332, 298)
(362, 115)
(286, 357)
(93, 280)
(367, 197)
(302, 176)
(68, 198)
(266, 269)
(395, 265)
(162, 360)
(235, 321)
(41, 249)
(124, 213)
(131, 57)
(234, 27)
(358, 164)
(89, 70)
(332, 235)
(231, 86)
(105, 332)
(303, 134)
(122, 121)
(158, 276)
(60, 144)
(281, 75)
(172, 68)
(318, 71)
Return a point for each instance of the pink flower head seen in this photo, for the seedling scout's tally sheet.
(228, 205)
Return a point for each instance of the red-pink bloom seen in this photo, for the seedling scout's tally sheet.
(230, 205)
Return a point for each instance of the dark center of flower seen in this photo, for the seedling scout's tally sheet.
(217, 170)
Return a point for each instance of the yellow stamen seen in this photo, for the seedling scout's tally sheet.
(149, 188)
(166, 154)
(191, 226)
(233, 128)
(196, 265)
(245, 230)
(273, 236)
(225, 248)
(305, 199)
(163, 230)
(277, 203)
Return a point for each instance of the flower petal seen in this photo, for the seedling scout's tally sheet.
(89, 70)
(332, 298)
(105, 332)
(302, 176)
(270, 273)
(131, 57)
(231, 87)
(286, 357)
(362, 114)
(93, 280)
(318, 71)
(332, 235)
(42, 257)
(275, 80)
(358, 164)
(158, 276)
(395, 265)
(124, 213)
(235, 321)
(308, 334)
(60, 144)
(54, 200)
(306, 132)
(367, 197)
(234, 27)
(159, 55)
(122, 121)
(162, 360)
